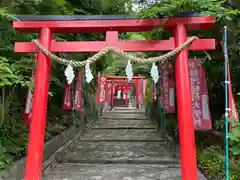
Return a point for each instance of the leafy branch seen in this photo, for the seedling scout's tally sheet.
(214, 8)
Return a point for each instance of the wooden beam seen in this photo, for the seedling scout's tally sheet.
(127, 46)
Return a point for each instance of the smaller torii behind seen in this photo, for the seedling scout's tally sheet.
(122, 93)
(112, 82)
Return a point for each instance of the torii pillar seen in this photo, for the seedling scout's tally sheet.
(184, 103)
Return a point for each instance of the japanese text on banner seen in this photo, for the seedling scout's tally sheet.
(195, 89)
(167, 95)
(199, 92)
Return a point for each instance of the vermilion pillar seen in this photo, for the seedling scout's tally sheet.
(38, 123)
(137, 93)
(126, 93)
(184, 101)
(99, 87)
(113, 94)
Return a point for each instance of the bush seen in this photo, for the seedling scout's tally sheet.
(212, 161)
(234, 140)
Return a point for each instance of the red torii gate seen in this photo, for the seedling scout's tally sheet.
(114, 80)
(47, 25)
(124, 88)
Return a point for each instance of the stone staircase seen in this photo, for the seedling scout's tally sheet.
(123, 145)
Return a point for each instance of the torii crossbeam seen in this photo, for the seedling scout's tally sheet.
(47, 25)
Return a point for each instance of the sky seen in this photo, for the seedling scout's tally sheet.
(136, 6)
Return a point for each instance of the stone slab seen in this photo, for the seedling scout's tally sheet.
(129, 111)
(122, 134)
(126, 108)
(114, 172)
(124, 116)
(123, 146)
(123, 124)
(115, 151)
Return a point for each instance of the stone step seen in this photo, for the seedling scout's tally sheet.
(69, 158)
(121, 140)
(125, 112)
(123, 146)
(126, 108)
(123, 115)
(114, 172)
(122, 134)
(105, 123)
(115, 152)
(131, 111)
(117, 116)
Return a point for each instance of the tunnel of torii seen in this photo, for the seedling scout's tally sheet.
(121, 83)
(46, 26)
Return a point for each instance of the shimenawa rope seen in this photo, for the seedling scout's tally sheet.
(117, 51)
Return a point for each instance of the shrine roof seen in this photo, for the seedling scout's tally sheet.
(103, 23)
(95, 17)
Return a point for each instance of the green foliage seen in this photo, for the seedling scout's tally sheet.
(148, 93)
(234, 139)
(14, 134)
(205, 7)
(5, 15)
(212, 162)
(15, 73)
(234, 136)
(6, 74)
(117, 64)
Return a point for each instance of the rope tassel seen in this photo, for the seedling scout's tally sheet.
(69, 73)
(154, 73)
(88, 73)
(129, 71)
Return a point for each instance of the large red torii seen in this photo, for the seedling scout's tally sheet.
(47, 25)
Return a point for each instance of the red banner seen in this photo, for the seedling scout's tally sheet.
(233, 114)
(137, 86)
(28, 107)
(67, 97)
(108, 94)
(78, 93)
(154, 93)
(142, 91)
(101, 89)
(112, 93)
(29, 100)
(199, 90)
(167, 89)
(98, 88)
